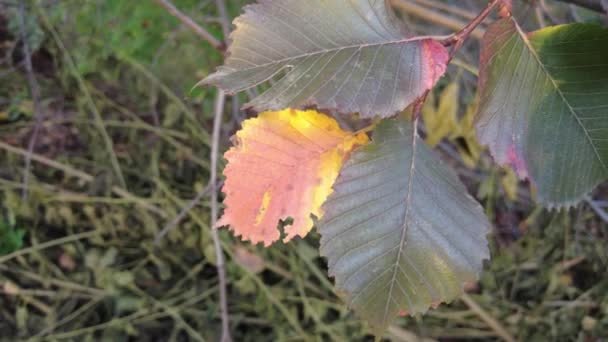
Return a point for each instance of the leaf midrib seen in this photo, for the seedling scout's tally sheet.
(337, 49)
(561, 94)
(408, 202)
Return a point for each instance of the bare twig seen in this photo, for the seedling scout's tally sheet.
(217, 126)
(224, 21)
(458, 38)
(487, 318)
(35, 93)
(184, 212)
(68, 170)
(191, 24)
(603, 214)
(48, 244)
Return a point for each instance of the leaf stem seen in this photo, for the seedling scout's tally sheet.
(458, 38)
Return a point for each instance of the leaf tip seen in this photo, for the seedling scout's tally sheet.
(437, 56)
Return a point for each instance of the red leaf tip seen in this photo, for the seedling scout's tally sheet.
(437, 56)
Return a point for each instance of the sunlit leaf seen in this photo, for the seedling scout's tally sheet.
(544, 106)
(283, 165)
(400, 231)
(352, 56)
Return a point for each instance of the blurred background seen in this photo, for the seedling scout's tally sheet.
(105, 196)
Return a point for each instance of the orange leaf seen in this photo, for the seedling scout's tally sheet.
(283, 165)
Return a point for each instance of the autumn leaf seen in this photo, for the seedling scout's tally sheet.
(442, 122)
(544, 106)
(283, 165)
(353, 56)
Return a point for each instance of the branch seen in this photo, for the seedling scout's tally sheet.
(594, 5)
(597, 208)
(35, 94)
(459, 37)
(182, 214)
(217, 126)
(487, 318)
(191, 24)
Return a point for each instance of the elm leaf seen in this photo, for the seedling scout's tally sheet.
(544, 106)
(283, 165)
(353, 56)
(400, 232)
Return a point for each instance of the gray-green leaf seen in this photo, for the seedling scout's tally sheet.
(352, 56)
(400, 231)
(544, 106)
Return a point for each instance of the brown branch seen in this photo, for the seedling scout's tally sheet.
(191, 24)
(459, 37)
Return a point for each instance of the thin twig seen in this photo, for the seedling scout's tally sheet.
(458, 38)
(48, 244)
(183, 213)
(487, 318)
(35, 93)
(225, 22)
(217, 126)
(191, 24)
(68, 170)
(597, 208)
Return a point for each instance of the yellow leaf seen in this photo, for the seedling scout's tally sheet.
(467, 132)
(283, 165)
(510, 182)
(442, 121)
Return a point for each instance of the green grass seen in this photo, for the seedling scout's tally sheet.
(80, 261)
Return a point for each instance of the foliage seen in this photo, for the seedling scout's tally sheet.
(289, 173)
(544, 106)
(386, 231)
(11, 238)
(92, 272)
(397, 232)
(347, 55)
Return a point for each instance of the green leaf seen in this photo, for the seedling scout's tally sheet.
(400, 231)
(11, 239)
(352, 56)
(544, 106)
